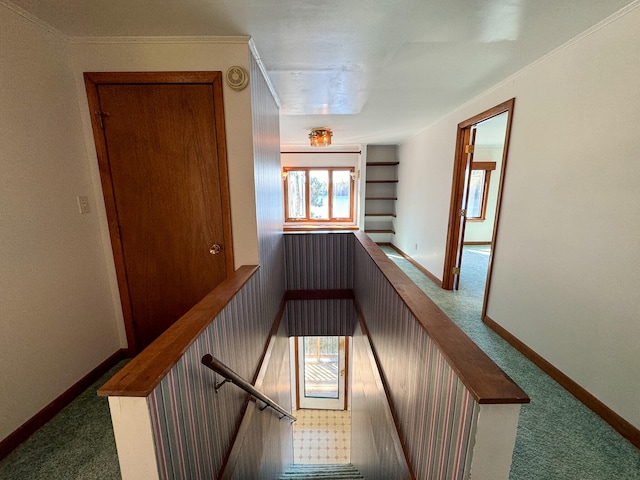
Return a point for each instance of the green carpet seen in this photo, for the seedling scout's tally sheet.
(558, 437)
(77, 444)
(328, 472)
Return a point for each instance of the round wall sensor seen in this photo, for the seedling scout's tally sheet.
(237, 77)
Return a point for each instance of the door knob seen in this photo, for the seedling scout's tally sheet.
(215, 249)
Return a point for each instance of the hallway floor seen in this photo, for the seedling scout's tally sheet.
(558, 437)
(77, 444)
(322, 436)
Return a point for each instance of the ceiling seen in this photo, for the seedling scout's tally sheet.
(375, 71)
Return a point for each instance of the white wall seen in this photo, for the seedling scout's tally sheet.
(565, 271)
(57, 318)
(424, 188)
(60, 314)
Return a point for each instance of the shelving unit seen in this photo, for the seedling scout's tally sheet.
(381, 192)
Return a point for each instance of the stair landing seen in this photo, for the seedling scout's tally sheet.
(322, 437)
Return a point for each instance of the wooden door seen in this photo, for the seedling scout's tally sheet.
(455, 234)
(161, 148)
(471, 142)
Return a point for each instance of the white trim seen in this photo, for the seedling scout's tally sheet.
(495, 439)
(305, 148)
(265, 75)
(236, 39)
(322, 403)
(134, 438)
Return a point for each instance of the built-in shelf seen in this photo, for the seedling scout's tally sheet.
(369, 230)
(381, 191)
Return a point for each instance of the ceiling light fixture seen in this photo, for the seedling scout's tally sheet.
(320, 137)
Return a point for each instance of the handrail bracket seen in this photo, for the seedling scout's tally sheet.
(230, 376)
(219, 385)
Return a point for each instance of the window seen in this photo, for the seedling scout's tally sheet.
(318, 194)
(479, 190)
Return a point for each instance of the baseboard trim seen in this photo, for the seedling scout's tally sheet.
(48, 412)
(623, 427)
(430, 275)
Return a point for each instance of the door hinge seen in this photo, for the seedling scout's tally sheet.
(456, 270)
(101, 116)
(463, 212)
(469, 148)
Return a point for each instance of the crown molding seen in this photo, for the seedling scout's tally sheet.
(212, 39)
(265, 74)
(37, 22)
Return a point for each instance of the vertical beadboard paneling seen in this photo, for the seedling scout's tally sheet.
(267, 447)
(436, 412)
(321, 317)
(193, 425)
(272, 444)
(375, 446)
(318, 261)
(269, 193)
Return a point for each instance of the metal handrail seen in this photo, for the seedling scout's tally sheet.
(230, 376)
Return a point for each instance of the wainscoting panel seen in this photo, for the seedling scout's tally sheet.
(319, 261)
(193, 425)
(265, 446)
(269, 195)
(320, 317)
(376, 450)
(436, 413)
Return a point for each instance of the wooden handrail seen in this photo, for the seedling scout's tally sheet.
(486, 382)
(143, 373)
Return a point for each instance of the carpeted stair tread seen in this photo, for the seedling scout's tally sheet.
(338, 471)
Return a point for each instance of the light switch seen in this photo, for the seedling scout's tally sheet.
(83, 203)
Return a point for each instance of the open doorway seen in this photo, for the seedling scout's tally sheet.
(320, 372)
(481, 155)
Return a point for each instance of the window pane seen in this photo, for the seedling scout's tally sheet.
(321, 366)
(319, 194)
(476, 194)
(341, 206)
(296, 202)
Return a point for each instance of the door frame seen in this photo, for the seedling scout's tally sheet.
(92, 81)
(296, 371)
(454, 243)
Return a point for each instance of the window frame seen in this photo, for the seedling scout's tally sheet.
(487, 167)
(319, 221)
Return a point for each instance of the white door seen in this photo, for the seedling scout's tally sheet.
(321, 372)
